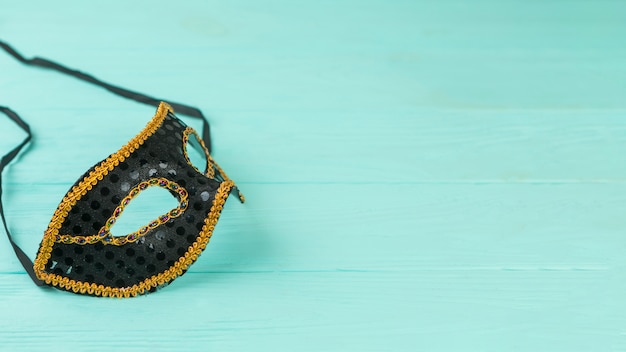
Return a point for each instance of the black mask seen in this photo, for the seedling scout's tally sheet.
(78, 252)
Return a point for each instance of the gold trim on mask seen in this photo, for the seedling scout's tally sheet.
(210, 170)
(104, 234)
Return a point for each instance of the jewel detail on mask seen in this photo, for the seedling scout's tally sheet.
(105, 235)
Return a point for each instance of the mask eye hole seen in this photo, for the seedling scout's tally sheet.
(144, 208)
(197, 156)
(150, 203)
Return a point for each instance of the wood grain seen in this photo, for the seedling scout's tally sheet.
(421, 175)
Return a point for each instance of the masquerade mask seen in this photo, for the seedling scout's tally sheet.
(79, 252)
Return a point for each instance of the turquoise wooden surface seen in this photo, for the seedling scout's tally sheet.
(420, 175)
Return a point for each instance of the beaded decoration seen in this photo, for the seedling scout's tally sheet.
(105, 235)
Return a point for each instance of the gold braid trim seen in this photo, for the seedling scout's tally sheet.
(212, 165)
(210, 173)
(104, 234)
(240, 195)
(78, 191)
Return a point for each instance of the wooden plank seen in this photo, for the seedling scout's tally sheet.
(417, 146)
(484, 310)
(393, 227)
